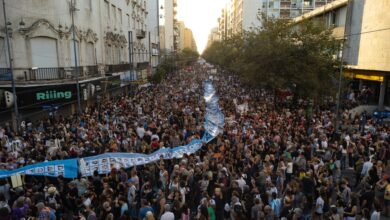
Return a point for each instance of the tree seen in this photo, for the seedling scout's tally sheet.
(281, 55)
(186, 57)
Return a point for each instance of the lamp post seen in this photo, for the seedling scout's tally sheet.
(72, 10)
(16, 111)
(341, 55)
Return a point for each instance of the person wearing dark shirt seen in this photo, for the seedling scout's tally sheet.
(219, 204)
(367, 197)
(308, 184)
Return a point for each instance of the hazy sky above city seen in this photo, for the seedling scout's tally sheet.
(200, 16)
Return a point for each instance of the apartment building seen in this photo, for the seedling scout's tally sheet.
(169, 26)
(189, 40)
(363, 29)
(104, 44)
(244, 15)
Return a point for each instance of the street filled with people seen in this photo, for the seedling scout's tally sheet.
(275, 159)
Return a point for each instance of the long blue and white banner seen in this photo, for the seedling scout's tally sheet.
(66, 168)
(103, 163)
(214, 122)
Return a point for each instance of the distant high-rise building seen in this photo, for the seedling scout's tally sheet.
(189, 41)
(180, 35)
(213, 36)
(168, 16)
(185, 37)
(243, 15)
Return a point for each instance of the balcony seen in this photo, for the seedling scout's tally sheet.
(142, 65)
(118, 68)
(140, 34)
(91, 71)
(49, 73)
(5, 74)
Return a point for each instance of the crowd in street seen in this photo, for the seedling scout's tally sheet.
(272, 161)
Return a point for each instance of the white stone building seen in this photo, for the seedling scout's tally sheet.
(109, 35)
(116, 42)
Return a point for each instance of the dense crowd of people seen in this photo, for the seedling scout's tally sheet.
(272, 161)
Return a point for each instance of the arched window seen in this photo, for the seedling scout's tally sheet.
(90, 54)
(72, 53)
(44, 52)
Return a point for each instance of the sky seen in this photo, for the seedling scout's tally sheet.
(200, 16)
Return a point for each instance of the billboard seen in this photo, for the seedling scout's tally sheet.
(30, 97)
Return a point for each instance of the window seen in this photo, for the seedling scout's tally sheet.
(3, 53)
(113, 15)
(128, 20)
(44, 52)
(107, 9)
(89, 5)
(120, 16)
(72, 53)
(334, 18)
(90, 54)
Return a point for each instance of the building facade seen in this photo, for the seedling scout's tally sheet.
(363, 30)
(103, 38)
(185, 37)
(244, 15)
(213, 36)
(189, 40)
(169, 24)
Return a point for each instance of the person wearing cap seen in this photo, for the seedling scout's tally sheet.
(106, 213)
(334, 215)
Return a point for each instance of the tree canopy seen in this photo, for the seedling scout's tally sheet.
(280, 55)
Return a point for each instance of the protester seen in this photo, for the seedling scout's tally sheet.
(273, 160)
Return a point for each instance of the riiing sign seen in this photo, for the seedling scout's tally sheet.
(49, 95)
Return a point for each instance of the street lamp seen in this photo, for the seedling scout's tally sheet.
(341, 56)
(16, 111)
(72, 10)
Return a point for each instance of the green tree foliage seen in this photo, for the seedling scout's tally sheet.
(163, 69)
(281, 55)
(187, 57)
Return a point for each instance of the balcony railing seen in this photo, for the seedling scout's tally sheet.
(5, 74)
(91, 71)
(45, 74)
(49, 73)
(117, 68)
(140, 34)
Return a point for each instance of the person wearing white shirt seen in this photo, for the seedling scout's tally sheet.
(168, 215)
(241, 182)
(366, 167)
(140, 131)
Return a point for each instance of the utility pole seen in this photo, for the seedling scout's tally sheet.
(72, 10)
(344, 40)
(16, 111)
(339, 86)
(158, 33)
